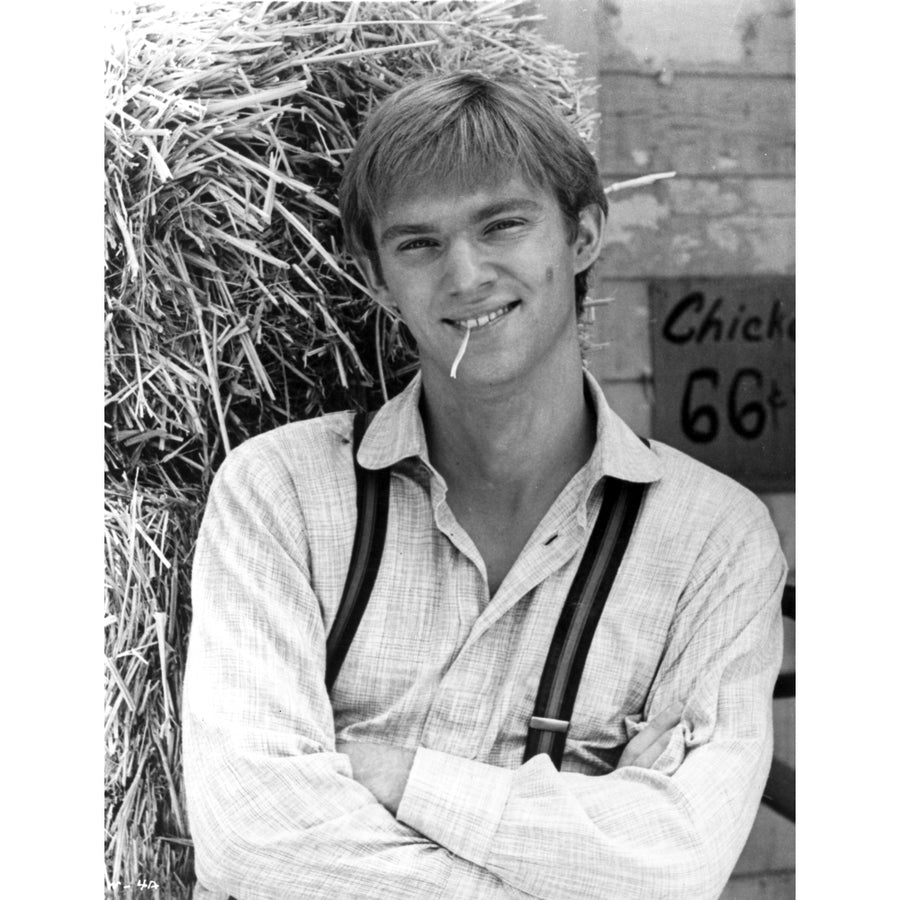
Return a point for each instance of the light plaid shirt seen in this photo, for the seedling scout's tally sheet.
(439, 666)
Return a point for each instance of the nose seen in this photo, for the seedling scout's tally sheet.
(466, 271)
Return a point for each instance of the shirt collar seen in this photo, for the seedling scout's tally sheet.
(396, 432)
(618, 451)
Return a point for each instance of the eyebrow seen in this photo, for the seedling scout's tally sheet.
(499, 207)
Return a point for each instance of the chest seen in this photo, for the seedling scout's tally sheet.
(437, 661)
(500, 529)
(499, 538)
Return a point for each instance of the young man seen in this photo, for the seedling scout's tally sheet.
(475, 213)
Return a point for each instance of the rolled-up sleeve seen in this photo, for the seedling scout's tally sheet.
(673, 831)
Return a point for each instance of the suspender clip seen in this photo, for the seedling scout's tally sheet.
(544, 724)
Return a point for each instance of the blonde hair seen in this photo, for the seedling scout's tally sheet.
(463, 131)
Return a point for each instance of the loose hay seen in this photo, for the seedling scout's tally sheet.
(232, 307)
(149, 538)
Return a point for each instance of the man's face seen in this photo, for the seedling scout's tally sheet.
(496, 260)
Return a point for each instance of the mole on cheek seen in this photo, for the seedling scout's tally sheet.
(549, 274)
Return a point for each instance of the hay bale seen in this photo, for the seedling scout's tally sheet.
(149, 536)
(232, 306)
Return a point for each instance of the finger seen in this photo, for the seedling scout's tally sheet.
(655, 750)
(660, 723)
(670, 716)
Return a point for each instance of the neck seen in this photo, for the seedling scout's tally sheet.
(510, 442)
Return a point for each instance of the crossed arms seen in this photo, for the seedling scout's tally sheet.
(279, 808)
(384, 769)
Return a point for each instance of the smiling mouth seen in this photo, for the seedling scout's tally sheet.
(486, 319)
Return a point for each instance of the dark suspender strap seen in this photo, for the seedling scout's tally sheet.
(372, 500)
(578, 620)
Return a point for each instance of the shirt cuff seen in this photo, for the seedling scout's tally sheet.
(456, 802)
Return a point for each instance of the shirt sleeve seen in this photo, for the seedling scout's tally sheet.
(673, 831)
(273, 809)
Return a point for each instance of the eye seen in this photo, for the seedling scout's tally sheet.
(504, 224)
(416, 244)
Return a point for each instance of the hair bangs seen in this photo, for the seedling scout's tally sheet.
(455, 155)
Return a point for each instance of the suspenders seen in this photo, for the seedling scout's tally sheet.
(579, 617)
(372, 495)
(577, 622)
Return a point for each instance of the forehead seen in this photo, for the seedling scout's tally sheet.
(434, 205)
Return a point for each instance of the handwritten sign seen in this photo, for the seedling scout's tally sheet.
(723, 374)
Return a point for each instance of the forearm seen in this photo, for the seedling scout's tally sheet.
(274, 811)
(295, 824)
(634, 833)
(674, 830)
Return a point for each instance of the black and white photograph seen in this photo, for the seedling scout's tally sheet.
(449, 450)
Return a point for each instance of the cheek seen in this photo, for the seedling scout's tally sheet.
(400, 292)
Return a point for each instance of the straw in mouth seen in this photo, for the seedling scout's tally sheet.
(460, 352)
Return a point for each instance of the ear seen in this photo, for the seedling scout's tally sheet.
(376, 284)
(589, 237)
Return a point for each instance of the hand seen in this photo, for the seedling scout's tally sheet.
(382, 768)
(647, 746)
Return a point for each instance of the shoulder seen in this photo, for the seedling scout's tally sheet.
(696, 506)
(695, 486)
(313, 455)
(713, 536)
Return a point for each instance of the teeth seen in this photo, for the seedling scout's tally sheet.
(483, 320)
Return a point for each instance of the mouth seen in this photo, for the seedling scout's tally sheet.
(482, 321)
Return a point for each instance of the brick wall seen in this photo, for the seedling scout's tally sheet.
(704, 88)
